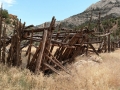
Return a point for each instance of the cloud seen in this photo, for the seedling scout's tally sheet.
(7, 3)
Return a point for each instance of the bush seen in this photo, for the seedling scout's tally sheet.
(5, 13)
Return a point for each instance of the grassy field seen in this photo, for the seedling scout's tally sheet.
(87, 73)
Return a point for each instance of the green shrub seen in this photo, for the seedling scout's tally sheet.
(5, 13)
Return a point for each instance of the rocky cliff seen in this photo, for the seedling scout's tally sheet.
(106, 7)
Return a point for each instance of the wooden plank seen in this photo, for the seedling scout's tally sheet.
(58, 62)
(60, 52)
(38, 29)
(103, 35)
(61, 66)
(54, 57)
(53, 69)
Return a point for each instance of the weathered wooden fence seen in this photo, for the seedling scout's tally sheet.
(69, 43)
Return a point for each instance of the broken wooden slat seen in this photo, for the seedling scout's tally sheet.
(53, 69)
(59, 65)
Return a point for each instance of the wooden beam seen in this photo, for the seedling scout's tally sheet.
(38, 29)
(93, 49)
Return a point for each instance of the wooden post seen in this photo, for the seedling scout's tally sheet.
(18, 43)
(39, 59)
(58, 32)
(99, 25)
(4, 44)
(109, 41)
(113, 45)
(119, 44)
(50, 31)
(29, 51)
(89, 24)
(0, 30)
(105, 43)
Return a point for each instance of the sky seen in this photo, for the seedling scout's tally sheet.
(40, 11)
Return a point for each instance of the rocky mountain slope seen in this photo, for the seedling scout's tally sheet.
(106, 7)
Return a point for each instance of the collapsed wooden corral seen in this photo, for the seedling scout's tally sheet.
(69, 43)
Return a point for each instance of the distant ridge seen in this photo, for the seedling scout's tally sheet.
(106, 7)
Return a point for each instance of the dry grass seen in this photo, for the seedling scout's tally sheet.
(85, 75)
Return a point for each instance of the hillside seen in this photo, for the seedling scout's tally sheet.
(109, 8)
(8, 20)
(106, 7)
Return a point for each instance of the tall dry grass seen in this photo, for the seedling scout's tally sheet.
(84, 76)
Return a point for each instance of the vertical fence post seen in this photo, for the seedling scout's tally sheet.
(4, 44)
(109, 41)
(0, 30)
(39, 59)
